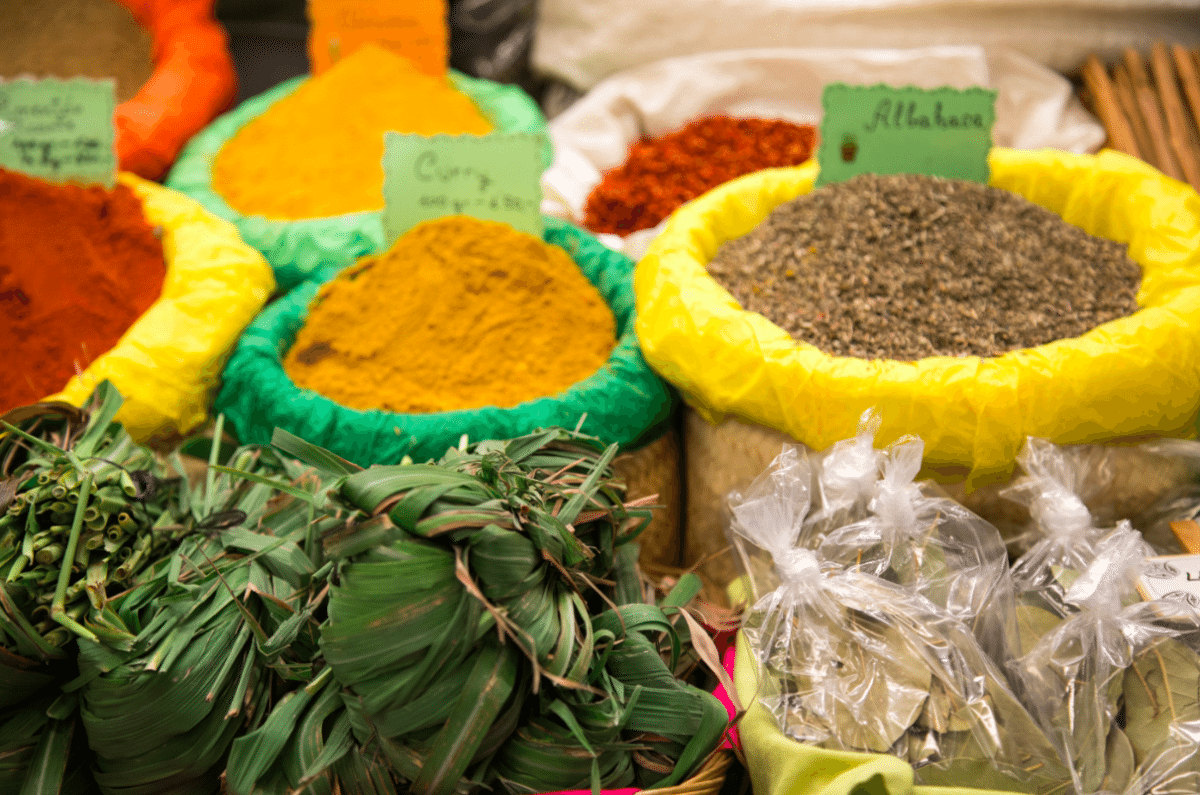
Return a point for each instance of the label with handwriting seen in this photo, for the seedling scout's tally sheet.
(496, 177)
(881, 129)
(416, 29)
(1175, 578)
(59, 130)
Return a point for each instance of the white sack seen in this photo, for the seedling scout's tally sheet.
(1035, 107)
(584, 41)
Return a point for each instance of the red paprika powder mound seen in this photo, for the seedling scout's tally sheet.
(662, 173)
(77, 267)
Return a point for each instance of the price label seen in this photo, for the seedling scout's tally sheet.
(415, 29)
(496, 177)
(59, 130)
(880, 129)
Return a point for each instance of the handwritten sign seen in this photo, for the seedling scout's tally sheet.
(1172, 577)
(880, 129)
(59, 130)
(416, 29)
(496, 177)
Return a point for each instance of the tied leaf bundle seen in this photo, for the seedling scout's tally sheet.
(487, 628)
(227, 627)
(83, 511)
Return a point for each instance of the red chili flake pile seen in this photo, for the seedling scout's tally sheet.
(662, 173)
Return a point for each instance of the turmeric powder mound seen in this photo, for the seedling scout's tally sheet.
(317, 152)
(459, 313)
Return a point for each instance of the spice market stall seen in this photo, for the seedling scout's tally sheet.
(479, 332)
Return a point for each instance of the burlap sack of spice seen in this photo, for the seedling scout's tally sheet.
(166, 365)
(298, 249)
(1135, 377)
(193, 81)
(624, 401)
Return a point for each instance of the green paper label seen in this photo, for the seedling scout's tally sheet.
(880, 129)
(495, 177)
(59, 130)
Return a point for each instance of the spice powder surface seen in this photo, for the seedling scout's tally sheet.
(459, 313)
(77, 267)
(908, 266)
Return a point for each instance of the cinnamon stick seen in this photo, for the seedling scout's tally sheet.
(1178, 125)
(1128, 100)
(1151, 114)
(1120, 135)
(1189, 78)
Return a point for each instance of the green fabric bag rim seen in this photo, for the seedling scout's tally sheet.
(297, 249)
(256, 393)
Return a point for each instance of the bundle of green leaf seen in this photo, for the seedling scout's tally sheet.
(224, 636)
(849, 661)
(487, 626)
(1075, 679)
(83, 511)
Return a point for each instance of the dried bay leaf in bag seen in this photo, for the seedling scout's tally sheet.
(1161, 687)
(1121, 762)
(859, 686)
(1033, 623)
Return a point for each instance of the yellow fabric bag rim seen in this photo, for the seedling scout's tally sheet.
(167, 363)
(1135, 376)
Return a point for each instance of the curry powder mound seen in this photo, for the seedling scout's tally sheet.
(318, 151)
(459, 313)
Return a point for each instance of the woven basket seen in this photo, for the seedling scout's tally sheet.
(720, 459)
(729, 456)
(708, 779)
(654, 469)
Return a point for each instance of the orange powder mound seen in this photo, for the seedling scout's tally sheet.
(459, 313)
(317, 152)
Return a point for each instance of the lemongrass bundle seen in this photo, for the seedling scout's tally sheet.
(475, 630)
(83, 509)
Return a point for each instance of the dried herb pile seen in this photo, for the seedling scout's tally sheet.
(907, 266)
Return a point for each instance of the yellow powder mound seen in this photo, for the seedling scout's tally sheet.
(317, 152)
(459, 313)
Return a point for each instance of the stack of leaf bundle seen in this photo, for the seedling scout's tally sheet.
(487, 626)
(223, 630)
(83, 510)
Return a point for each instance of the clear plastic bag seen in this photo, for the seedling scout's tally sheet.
(871, 515)
(921, 540)
(845, 478)
(1067, 536)
(1075, 678)
(851, 662)
(1151, 484)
